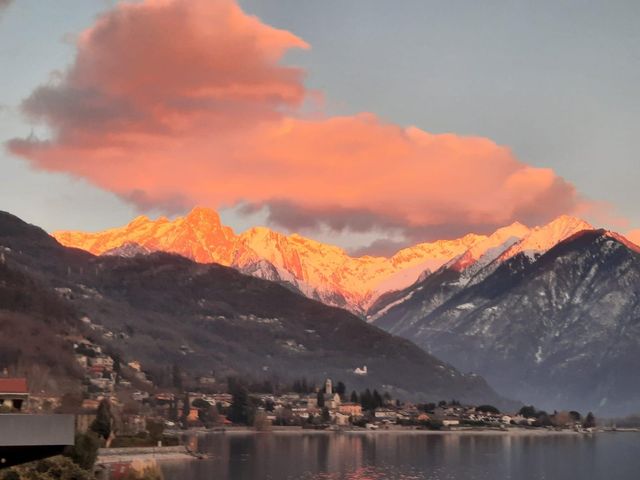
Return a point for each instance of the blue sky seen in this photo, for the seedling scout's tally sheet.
(557, 82)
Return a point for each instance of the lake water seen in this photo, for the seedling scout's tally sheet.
(409, 455)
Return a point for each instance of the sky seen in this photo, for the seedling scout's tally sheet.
(368, 124)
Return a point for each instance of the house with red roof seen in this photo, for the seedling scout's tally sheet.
(14, 393)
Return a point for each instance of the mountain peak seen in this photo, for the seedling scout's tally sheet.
(542, 238)
(568, 221)
(203, 216)
(139, 220)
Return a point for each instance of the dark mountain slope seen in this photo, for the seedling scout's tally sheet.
(562, 331)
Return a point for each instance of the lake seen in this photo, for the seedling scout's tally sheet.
(410, 455)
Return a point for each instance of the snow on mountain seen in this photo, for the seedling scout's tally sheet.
(542, 239)
(127, 250)
(321, 271)
(318, 270)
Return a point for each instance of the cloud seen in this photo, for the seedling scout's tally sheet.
(4, 4)
(634, 236)
(173, 103)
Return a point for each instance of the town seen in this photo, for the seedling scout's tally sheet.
(121, 412)
(136, 405)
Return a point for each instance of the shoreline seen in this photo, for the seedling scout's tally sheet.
(409, 431)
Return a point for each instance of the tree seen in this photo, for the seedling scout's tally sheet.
(186, 408)
(341, 389)
(173, 410)
(155, 430)
(366, 400)
(487, 409)
(326, 416)
(543, 420)
(320, 398)
(354, 397)
(11, 475)
(528, 411)
(575, 416)
(176, 377)
(200, 403)
(377, 399)
(427, 407)
(561, 419)
(239, 411)
(210, 416)
(589, 421)
(102, 423)
(84, 451)
(60, 467)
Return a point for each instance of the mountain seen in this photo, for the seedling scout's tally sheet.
(471, 267)
(553, 319)
(164, 309)
(323, 272)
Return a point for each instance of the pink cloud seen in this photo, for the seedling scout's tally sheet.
(634, 236)
(172, 103)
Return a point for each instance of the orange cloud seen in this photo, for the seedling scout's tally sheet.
(171, 103)
(634, 236)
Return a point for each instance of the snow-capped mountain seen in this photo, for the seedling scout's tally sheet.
(547, 314)
(555, 324)
(324, 272)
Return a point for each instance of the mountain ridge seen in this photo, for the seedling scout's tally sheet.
(320, 271)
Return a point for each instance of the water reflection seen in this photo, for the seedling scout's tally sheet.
(382, 455)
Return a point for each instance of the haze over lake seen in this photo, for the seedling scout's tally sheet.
(390, 455)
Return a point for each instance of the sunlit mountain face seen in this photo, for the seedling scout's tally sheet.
(321, 271)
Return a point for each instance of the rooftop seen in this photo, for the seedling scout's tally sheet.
(13, 385)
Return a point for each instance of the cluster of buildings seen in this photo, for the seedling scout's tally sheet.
(98, 367)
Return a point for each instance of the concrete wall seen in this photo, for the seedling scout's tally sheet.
(17, 430)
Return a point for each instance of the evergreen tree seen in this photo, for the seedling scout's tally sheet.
(239, 410)
(487, 409)
(85, 450)
(176, 377)
(326, 417)
(589, 421)
(173, 410)
(102, 423)
(341, 389)
(320, 397)
(186, 408)
(366, 400)
(354, 397)
(377, 399)
(528, 411)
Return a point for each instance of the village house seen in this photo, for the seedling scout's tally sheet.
(14, 394)
(135, 365)
(341, 419)
(450, 422)
(360, 371)
(351, 409)
(385, 414)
